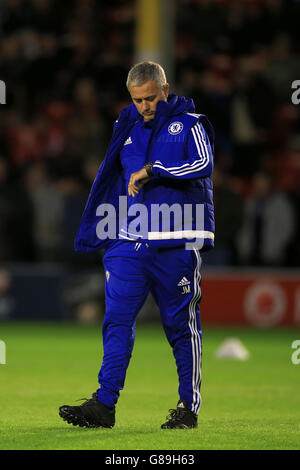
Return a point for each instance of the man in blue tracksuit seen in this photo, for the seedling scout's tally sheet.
(151, 208)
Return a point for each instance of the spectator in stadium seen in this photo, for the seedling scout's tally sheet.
(16, 219)
(267, 212)
(48, 206)
(229, 213)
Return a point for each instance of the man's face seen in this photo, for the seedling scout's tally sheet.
(146, 97)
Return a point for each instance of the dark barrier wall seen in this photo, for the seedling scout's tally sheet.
(49, 293)
(260, 298)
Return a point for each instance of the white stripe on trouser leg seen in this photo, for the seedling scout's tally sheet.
(198, 281)
(195, 341)
(195, 338)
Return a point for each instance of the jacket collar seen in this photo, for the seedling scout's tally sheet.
(173, 106)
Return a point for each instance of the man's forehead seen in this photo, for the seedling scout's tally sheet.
(149, 88)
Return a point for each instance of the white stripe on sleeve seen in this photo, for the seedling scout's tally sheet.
(197, 165)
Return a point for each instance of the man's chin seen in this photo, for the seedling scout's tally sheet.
(148, 117)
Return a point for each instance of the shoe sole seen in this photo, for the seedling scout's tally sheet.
(180, 426)
(79, 420)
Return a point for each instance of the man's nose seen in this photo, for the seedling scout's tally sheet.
(145, 105)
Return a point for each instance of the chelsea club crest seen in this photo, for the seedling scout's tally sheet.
(175, 128)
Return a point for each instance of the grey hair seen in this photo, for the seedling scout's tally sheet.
(144, 72)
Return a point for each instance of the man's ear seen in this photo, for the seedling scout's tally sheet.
(166, 88)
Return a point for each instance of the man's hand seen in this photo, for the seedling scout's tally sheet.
(141, 177)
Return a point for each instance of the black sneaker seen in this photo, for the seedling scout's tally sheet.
(181, 418)
(90, 414)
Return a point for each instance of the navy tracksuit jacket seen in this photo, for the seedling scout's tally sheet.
(180, 143)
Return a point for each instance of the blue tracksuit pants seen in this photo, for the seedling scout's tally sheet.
(172, 275)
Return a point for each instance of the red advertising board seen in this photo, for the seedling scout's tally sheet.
(262, 299)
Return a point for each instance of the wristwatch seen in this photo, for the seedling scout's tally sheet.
(148, 168)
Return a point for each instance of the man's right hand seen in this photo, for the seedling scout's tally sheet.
(141, 177)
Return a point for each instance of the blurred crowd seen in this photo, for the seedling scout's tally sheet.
(65, 66)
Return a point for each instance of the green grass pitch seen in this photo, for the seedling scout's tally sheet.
(246, 405)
